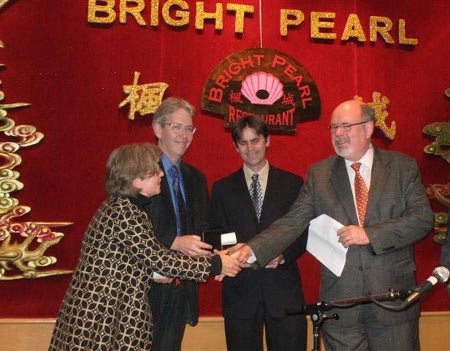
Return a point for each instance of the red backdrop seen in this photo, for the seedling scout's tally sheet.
(72, 72)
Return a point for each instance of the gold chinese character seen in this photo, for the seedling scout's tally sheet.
(144, 98)
(379, 104)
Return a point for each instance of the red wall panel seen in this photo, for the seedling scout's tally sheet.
(72, 72)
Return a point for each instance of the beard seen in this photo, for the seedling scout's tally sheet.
(342, 146)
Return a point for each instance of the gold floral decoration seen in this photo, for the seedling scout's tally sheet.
(23, 259)
(441, 145)
(440, 192)
(3, 3)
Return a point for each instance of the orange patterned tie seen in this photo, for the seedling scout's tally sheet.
(361, 193)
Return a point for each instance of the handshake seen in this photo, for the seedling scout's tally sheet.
(234, 258)
(216, 242)
(241, 256)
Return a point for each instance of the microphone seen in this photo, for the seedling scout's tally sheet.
(439, 275)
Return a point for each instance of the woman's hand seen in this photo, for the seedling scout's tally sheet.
(230, 266)
(191, 245)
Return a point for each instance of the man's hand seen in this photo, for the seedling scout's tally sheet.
(236, 253)
(275, 262)
(230, 266)
(191, 245)
(242, 254)
(234, 248)
(352, 235)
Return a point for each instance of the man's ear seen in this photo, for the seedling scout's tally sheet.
(370, 129)
(268, 141)
(157, 129)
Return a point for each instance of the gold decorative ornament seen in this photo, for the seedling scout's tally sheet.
(440, 227)
(440, 192)
(441, 145)
(379, 104)
(19, 260)
(25, 256)
(3, 3)
(144, 98)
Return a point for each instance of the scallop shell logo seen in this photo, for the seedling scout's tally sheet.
(262, 88)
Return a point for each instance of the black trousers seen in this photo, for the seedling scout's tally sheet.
(168, 303)
(282, 334)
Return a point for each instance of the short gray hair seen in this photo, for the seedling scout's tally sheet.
(368, 113)
(169, 106)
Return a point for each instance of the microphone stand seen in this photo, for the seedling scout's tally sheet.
(318, 315)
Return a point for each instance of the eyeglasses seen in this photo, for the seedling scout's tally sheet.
(178, 127)
(345, 127)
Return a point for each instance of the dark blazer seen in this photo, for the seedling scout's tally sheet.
(232, 209)
(398, 215)
(162, 215)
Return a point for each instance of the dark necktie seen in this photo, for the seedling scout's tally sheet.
(361, 193)
(256, 195)
(180, 206)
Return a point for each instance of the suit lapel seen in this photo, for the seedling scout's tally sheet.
(271, 193)
(341, 185)
(166, 198)
(188, 186)
(380, 172)
(242, 193)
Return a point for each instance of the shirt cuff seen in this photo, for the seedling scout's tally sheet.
(252, 258)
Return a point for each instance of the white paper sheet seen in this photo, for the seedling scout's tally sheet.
(323, 243)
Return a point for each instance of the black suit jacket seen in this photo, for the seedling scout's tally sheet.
(162, 215)
(232, 209)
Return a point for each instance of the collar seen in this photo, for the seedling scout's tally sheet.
(366, 160)
(167, 163)
(263, 173)
(139, 200)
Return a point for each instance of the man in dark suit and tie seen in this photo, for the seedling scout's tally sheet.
(380, 238)
(247, 202)
(178, 214)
